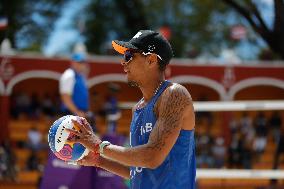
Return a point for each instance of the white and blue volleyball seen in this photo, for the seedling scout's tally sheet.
(57, 139)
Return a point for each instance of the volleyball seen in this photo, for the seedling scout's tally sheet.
(57, 140)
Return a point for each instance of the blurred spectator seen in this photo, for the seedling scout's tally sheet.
(3, 166)
(34, 139)
(275, 123)
(7, 162)
(204, 153)
(33, 162)
(279, 150)
(111, 107)
(235, 150)
(219, 152)
(98, 100)
(35, 106)
(240, 149)
(73, 87)
(13, 106)
(57, 104)
(23, 103)
(47, 105)
(247, 154)
(261, 130)
(247, 127)
(234, 125)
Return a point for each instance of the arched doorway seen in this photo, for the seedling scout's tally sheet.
(37, 93)
(189, 81)
(260, 92)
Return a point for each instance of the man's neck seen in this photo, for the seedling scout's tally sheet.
(150, 87)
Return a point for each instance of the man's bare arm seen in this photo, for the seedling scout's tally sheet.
(94, 159)
(114, 167)
(175, 107)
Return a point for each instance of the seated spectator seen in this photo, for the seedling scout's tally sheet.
(234, 126)
(204, 153)
(277, 155)
(23, 104)
(34, 139)
(33, 162)
(3, 166)
(7, 162)
(247, 154)
(275, 123)
(279, 150)
(111, 108)
(47, 105)
(219, 152)
(235, 151)
(259, 144)
(261, 130)
(247, 128)
(56, 105)
(14, 111)
(35, 106)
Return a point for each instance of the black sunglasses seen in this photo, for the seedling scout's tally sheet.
(128, 56)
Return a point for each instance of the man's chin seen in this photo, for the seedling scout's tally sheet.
(132, 83)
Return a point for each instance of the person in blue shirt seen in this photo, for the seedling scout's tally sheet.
(162, 149)
(73, 87)
(111, 108)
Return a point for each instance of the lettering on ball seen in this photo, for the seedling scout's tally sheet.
(61, 132)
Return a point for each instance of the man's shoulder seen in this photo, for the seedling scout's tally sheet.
(176, 90)
(69, 73)
(175, 95)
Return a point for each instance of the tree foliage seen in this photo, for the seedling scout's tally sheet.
(274, 36)
(197, 26)
(190, 22)
(109, 19)
(29, 21)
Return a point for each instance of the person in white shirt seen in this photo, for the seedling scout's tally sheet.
(73, 87)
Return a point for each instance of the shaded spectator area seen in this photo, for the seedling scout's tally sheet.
(34, 104)
(34, 99)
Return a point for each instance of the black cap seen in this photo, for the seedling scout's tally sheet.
(147, 41)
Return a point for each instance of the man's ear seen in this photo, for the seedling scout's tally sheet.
(152, 59)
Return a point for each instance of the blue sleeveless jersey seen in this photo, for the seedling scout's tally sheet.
(80, 94)
(178, 169)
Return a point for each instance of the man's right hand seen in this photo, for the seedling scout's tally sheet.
(85, 135)
(92, 159)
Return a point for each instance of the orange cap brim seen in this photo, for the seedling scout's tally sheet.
(120, 49)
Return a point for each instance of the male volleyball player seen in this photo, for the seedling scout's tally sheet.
(162, 150)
